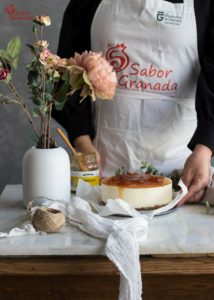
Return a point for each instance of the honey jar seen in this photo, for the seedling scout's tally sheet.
(84, 166)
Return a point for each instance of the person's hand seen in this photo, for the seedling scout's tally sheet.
(196, 174)
(84, 144)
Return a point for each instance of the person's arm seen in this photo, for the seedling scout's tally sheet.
(204, 133)
(76, 117)
(196, 173)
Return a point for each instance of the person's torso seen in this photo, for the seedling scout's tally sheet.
(152, 45)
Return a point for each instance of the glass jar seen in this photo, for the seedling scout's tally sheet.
(84, 166)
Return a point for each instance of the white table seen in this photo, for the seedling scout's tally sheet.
(176, 259)
(186, 230)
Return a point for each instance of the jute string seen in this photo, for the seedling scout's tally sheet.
(46, 219)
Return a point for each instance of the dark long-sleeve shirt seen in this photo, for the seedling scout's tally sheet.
(75, 37)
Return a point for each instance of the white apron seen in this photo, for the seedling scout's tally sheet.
(152, 45)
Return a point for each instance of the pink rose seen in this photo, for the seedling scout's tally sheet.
(4, 73)
(48, 59)
(44, 54)
(98, 73)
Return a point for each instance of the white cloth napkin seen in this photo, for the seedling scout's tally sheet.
(26, 229)
(122, 235)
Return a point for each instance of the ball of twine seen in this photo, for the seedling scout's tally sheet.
(48, 219)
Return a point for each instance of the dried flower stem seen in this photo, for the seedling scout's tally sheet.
(23, 105)
(49, 123)
(41, 32)
(45, 135)
(42, 129)
(44, 114)
(37, 38)
(7, 100)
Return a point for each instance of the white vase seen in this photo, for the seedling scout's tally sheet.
(46, 173)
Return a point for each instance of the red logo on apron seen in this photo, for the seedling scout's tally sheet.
(131, 75)
(117, 57)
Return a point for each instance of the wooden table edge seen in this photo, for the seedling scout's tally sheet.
(101, 266)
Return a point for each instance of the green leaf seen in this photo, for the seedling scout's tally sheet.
(121, 171)
(9, 77)
(34, 78)
(148, 168)
(28, 66)
(49, 86)
(6, 57)
(32, 66)
(46, 110)
(34, 28)
(36, 100)
(14, 48)
(208, 208)
(59, 105)
(80, 80)
(32, 48)
(48, 97)
(33, 137)
(37, 112)
(62, 94)
(88, 82)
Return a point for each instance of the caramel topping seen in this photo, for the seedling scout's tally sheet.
(135, 180)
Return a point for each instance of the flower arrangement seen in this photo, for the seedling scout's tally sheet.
(51, 79)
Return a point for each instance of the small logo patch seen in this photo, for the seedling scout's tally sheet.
(168, 18)
(160, 16)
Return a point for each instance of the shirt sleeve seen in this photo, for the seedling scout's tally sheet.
(204, 133)
(76, 117)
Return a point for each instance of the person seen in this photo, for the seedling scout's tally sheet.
(163, 53)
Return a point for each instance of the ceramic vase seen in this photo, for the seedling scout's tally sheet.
(46, 174)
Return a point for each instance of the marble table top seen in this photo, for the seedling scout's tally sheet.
(186, 230)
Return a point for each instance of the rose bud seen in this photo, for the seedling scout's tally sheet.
(42, 20)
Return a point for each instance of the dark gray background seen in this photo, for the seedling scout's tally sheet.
(13, 124)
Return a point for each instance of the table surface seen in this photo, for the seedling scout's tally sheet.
(185, 231)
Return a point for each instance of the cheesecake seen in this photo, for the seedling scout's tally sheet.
(141, 191)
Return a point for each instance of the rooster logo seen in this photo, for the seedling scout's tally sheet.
(117, 57)
(11, 10)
